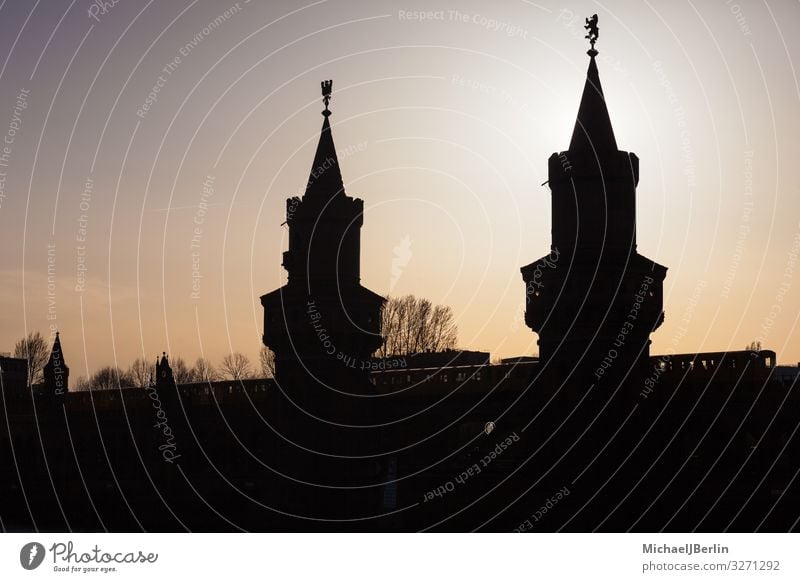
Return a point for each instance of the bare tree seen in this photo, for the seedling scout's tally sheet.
(236, 366)
(141, 372)
(81, 384)
(266, 358)
(412, 325)
(754, 346)
(180, 371)
(36, 350)
(110, 378)
(441, 332)
(204, 371)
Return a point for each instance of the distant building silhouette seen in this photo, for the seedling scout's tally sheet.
(323, 323)
(164, 378)
(13, 376)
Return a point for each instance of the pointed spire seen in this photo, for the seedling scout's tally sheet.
(325, 178)
(56, 371)
(56, 353)
(593, 131)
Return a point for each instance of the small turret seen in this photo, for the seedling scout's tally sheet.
(164, 377)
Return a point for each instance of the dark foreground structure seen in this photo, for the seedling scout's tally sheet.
(595, 435)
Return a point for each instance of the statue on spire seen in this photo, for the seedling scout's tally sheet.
(593, 33)
(327, 88)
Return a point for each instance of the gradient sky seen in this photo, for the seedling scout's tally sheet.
(443, 127)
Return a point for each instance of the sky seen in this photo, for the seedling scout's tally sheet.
(149, 149)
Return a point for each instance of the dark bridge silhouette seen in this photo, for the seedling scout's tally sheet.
(594, 434)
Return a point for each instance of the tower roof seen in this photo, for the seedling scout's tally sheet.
(56, 353)
(325, 178)
(56, 360)
(593, 131)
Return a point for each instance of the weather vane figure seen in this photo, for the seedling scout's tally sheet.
(594, 32)
(327, 88)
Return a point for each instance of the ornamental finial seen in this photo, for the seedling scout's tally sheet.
(594, 32)
(327, 88)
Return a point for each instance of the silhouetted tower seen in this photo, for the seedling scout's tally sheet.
(164, 378)
(56, 372)
(323, 322)
(593, 300)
